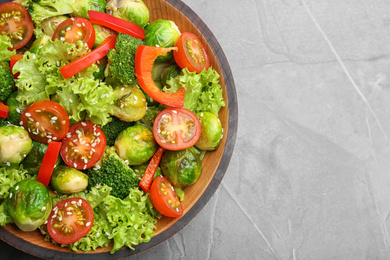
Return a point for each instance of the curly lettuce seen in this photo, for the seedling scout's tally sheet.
(9, 176)
(5, 53)
(203, 91)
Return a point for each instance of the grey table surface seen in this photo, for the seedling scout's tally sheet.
(309, 177)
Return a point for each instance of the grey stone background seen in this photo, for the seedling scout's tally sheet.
(309, 177)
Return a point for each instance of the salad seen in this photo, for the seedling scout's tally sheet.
(105, 116)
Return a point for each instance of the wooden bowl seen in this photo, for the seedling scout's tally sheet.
(214, 163)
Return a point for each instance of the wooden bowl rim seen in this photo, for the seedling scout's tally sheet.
(48, 253)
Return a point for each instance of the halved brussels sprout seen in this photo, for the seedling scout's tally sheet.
(15, 144)
(211, 133)
(171, 72)
(49, 25)
(130, 104)
(37, 45)
(162, 33)
(68, 180)
(29, 204)
(182, 167)
(134, 11)
(136, 144)
(80, 8)
(101, 33)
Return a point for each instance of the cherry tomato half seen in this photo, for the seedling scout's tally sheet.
(191, 53)
(75, 29)
(164, 198)
(83, 145)
(45, 121)
(16, 23)
(176, 129)
(70, 220)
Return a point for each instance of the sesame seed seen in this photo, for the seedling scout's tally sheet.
(21, 123)
(88, 224)
(43, 208)
(54, 216)
(75, 165)
(70, 100)
(10, 195)
(18, 110)
(17, 187)
(85, 167)
(83, 124)
(28, 114)
(69, 213)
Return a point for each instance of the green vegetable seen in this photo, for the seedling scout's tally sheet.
(150, 116)
(15, 109)
(15, 144)
(113, 129)
(33, 160)
(68, 180)
(136, 144)
(203, 91)
(122, 58)
(29, 204)
(9, 176)
(5, 53)
(182, 168)
(158, 69)
(172, 71)
(162, 33)
(134, 11)
(211, 133)
(3, 122)
(7, 83)
(50, 24)
(38, 43)
(140, 170)
(130, 103)
(40, 10)
(81, 7)
(101, 33)
(113, 172)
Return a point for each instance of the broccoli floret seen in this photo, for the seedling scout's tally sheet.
(3, 122)
(7, 83)
(42, 9)
(113, 172)
(122, 58)
(150, 116)
(113, 128)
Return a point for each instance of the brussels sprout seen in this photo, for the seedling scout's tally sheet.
(162, 33)
(171, 72)
(158, 69)
(182, 167)
(68, 180)
(34, 159)
(136, 144)
(16, 108)
(49, 25)
(102, 64)
(80, 8)
(211, 133)
(134, 11)
(101, 33)
(29, 204)
(130, 104)
(15, 144)
(38, 43)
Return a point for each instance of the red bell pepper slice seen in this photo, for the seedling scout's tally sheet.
(48, 163)
(3, 110)
(147, 178)
(116, 24)
(78, 65)
(144, 61)
(14, 59)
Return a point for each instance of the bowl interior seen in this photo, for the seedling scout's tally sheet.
(183, 17)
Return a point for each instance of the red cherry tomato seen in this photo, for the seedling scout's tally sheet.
(164, 198)
(16, 23)
(48, 163)
(176, 129)
(83, 146)
(74, 29)
(70, 220)
(78, 65)
(45, 121)
(191, 53)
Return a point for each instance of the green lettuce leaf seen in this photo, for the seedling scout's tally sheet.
(203, 91)
(5, 54)
(9, 176)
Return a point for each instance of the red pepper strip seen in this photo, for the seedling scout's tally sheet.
(116, 24)
(148, 176)
(14, 59)
(78, 65)
(144, 61)
(3, 110)
(48, 163)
